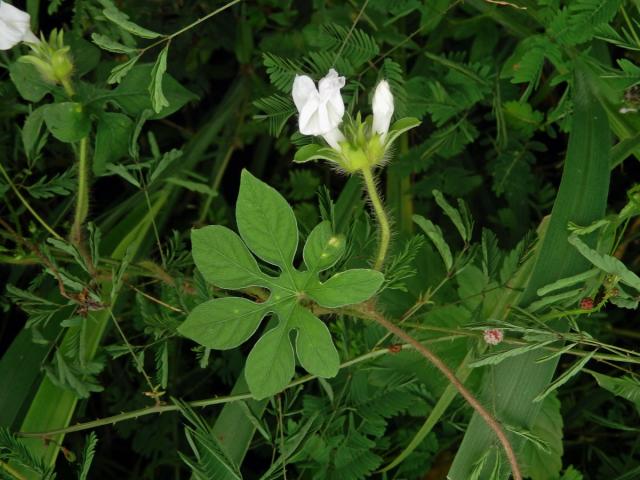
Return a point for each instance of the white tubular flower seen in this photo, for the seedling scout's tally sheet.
(382, 108)
(320, 109)
(15, 27)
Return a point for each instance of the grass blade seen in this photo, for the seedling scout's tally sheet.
(581, 198)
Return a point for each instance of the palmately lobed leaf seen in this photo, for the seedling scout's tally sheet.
(224, 260)
(266, 222)
(323, 248)
(269, 228)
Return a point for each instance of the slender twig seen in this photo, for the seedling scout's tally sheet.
(27, 205)
(167, 38)
(101, 422)
(491, 422)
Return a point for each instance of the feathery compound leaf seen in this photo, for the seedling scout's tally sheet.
(281, 71)
(277, 110)
(12, 449)
(353, 44)
(87, 456)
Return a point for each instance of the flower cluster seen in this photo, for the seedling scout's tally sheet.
(355, 144)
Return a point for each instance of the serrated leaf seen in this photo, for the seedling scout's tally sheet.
(224, 260)
(566, 376)
(120, 71)
(122, 20)
(223, 323)
(323, 248)
(606, 263)
(266, 222)
(452, 213)
(435, 234)
(111, 45)
(626, 387)
(542, 460)
(346, 288)
(158, 100)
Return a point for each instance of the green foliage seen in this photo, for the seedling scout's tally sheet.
(268, 227)
(118, 180)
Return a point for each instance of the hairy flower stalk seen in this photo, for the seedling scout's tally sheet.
(356, 146)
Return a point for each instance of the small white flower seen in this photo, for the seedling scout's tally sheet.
(321, 109)
(14, 27)
(382, 106)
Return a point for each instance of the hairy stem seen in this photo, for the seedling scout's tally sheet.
(448, 373)
(381, 215)
(82, 203)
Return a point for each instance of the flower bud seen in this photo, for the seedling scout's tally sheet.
(382, 106)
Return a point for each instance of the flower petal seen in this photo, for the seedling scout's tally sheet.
(14, 25)
(303, 89)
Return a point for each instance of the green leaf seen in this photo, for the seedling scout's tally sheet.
(133, 94)
(32, 132)
(111, 45)
(627, 387)
(323, 248)
(497, 357)
(270, 365)
(544, 461)
(453, 214)
(112, 138)
(223, 259)
(223, 323)
(266, 222)
(606, 263)
(582, 199)
(28, 81)
(435, 234)
(158, 100)
(566, 376)
(399, 127)
(122, 20)
(314, 346)
(67, 121)
(566, 282)
(120, 71)
(313, 151)
(346, 288)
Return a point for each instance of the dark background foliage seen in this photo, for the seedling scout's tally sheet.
(492, 84)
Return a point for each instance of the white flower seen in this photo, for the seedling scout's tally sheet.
(14, 27)
(321, 109)
(382, 108)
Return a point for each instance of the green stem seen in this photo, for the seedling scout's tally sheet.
(11, 471)
(381, 215)
(27, 205)
(198, 403)
(82, 204)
